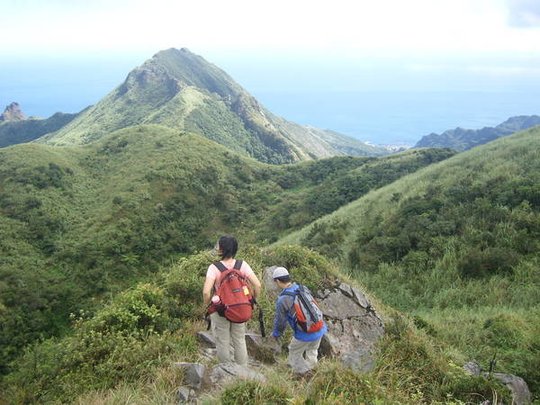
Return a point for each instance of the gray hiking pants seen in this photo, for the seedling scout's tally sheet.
(226, 334)
(303, 355)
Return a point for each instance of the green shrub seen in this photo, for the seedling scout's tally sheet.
(306, 266)
(504, 331)
(488, 262)
(123, 342)
(251, 392)
(183, 285)
(336, 384)
(411, 364)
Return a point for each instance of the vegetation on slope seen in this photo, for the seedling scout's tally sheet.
(81, 223)
(457, 245)
(14, 132)
(182, 91)
(125, 351)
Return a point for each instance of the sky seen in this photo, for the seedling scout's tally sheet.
(340, 26)
(278, 45)
(385, 26)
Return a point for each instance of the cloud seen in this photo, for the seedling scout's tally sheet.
(523, 13)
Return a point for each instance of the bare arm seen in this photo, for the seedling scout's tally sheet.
(207, 290)
(255, 285)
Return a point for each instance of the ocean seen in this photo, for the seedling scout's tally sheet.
(384, 117)
(400, 118)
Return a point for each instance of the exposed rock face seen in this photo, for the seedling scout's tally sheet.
(193, 374)
(225, 373)
(353, 325)
(271, 288)
(198, 377)
(13, 112)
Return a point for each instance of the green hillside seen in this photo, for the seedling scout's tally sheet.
(457, 246)
(14, 132)
(181, 90)
(80, 223)
(125, 352)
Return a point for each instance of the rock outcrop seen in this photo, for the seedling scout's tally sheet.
(353, 329)
(198, 378)
(353, 324)
(13, 112)
(517, 385)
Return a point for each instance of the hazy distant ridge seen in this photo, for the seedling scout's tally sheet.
(462, 139)
(15, 132)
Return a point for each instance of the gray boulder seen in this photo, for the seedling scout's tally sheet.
(185, 394)
(270, 286)
(207, 338)
(521, 395)
(517, 385)
(353, 326)
(260, 348)
(193, 374)
(225, 373)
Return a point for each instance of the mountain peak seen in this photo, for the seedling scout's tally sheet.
(13, 112)
(179, 89)
(191, 69)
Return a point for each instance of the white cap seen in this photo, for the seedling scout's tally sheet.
(280, 272)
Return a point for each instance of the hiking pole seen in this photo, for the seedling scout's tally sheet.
(207, 317)
(261, 322)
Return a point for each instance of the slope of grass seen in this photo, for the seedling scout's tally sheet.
(461, 235)
(181, 90)
(125, 351)
(15, 132)
(90, 221)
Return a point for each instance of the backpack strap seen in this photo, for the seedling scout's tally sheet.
(221, 267)
(293, 293)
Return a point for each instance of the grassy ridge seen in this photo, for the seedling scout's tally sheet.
(14, 132)
(453, 245)
(180, 90)
(460, 236)
(124, 352)
(90, 221)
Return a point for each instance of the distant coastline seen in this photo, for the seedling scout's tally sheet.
(383, 117)
(400, 118)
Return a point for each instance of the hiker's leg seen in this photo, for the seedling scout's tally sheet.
(312, 353)
(296, 356)
(222, 335)
(238, 337)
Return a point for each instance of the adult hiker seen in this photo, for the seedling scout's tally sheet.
(229, 291)
(290, 305)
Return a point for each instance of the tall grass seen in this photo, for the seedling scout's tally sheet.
(455, 238)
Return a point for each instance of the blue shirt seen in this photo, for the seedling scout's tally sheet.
(284, 314)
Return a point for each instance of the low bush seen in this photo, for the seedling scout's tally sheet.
(251, 392)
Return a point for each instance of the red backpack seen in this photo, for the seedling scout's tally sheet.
(236, 301)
